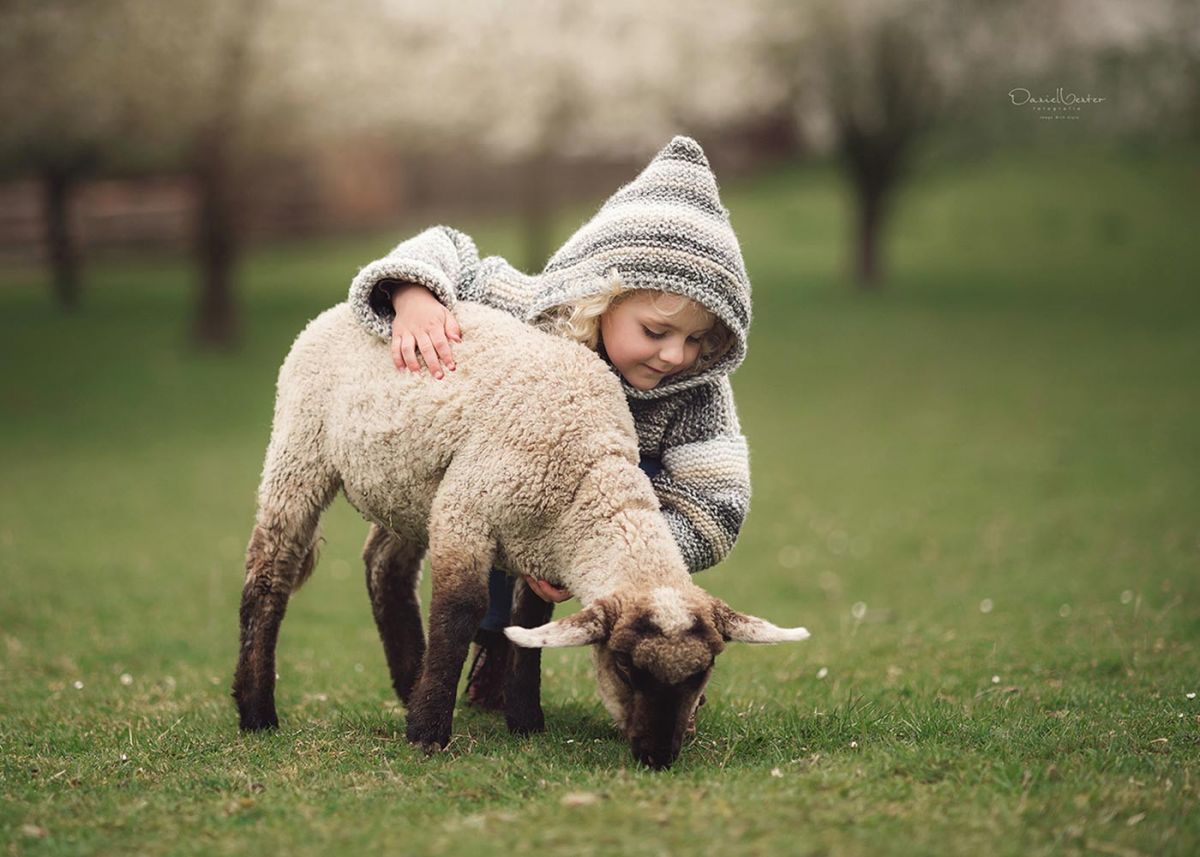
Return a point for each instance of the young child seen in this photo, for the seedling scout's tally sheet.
(655, 284)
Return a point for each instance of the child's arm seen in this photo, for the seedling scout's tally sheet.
(704, 486)
(385, 299)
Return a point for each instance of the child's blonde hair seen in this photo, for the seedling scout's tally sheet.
(580, 321)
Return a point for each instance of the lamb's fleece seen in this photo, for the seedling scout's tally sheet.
(475, 448)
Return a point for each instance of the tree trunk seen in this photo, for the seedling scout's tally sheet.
(58, 185)
(871, 202)
(216, 175)
(882, 100)
(216, 242)
(874, 163)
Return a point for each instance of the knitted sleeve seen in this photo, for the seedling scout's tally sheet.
(438, 258)
(704, 486)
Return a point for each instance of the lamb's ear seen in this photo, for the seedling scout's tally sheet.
(584, 628)
(739, 628)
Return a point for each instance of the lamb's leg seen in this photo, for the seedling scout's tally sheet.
(280, 557)
(523, 690)
(393, 572)
(459, 560)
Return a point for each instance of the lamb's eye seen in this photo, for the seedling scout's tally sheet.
(623, 665)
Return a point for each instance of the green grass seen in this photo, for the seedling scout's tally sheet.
(1016, 420)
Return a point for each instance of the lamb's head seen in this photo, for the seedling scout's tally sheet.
(654, 654)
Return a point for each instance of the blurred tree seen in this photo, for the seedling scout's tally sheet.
(871, 78)
(535, 84)
(119, 86)
(217, 149)
(861, 79)
(883, 95)
(59, 112)
(200, 64)
(205, 87)
(219, 88)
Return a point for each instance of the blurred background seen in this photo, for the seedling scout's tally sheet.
(971, 392)
(207, 128)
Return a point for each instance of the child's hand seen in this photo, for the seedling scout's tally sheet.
(423, 324)
(546, 591)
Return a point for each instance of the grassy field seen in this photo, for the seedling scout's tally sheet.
(978, 490)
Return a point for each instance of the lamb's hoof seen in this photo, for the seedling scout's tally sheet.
(428, 740)
(526, 722)
(259, 722)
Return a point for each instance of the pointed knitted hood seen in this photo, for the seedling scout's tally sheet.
(664, 230)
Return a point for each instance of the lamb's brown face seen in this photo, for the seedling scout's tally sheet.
(651, 672)
(654, 654)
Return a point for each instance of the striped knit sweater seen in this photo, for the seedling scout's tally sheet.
(665, 230)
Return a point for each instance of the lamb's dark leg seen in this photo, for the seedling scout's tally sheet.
(296, 488)
(277, 561)
(459, 602)
(393, 572)
(523, 690)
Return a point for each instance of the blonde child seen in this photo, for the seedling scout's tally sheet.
(655, 284)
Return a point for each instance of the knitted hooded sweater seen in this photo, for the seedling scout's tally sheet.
(665, 230)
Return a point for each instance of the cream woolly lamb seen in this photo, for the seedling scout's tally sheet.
(524, 457)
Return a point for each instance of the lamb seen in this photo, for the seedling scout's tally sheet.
(526, 458)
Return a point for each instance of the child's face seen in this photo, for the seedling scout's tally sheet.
(652, 335)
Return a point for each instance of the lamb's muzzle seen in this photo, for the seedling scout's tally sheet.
(525, 457)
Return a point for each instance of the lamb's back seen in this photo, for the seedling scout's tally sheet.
(525, 413)
(536, 387)
(548, 409)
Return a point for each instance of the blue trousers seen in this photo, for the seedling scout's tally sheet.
(500, 585)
